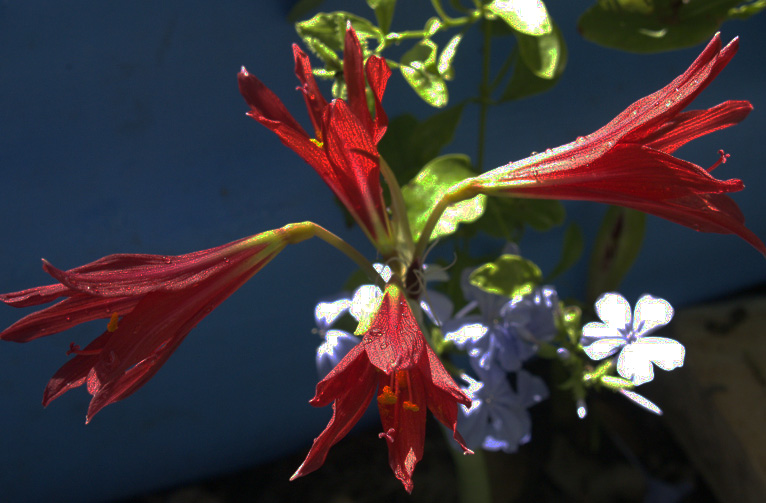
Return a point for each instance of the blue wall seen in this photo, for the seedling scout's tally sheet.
(122, 130)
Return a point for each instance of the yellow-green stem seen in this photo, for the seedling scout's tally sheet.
(398, 209)
(304, 230)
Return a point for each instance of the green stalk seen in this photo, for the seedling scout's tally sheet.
(472, 477)
(484, 92)
(304, 230)
(402, 231)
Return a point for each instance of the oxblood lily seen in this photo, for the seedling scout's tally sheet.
(152, 302)
(628, 162)
(344, 148)
(394, 359)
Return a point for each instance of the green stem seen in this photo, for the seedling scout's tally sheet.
(484, 92)
(460, 192)
(304, 230)
(472, 477)
(449, 21)
(402, 231)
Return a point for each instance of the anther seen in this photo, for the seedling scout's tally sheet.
(112, 326)
(387, 397)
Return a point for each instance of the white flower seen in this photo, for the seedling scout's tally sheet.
(618, 331)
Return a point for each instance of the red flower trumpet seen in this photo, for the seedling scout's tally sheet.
(394, 359)
(152, 302)
(343, 150)
(629, 161)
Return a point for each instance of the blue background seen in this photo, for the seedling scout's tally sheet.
(122, 130)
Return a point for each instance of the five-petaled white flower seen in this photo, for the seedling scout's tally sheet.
(618, 330)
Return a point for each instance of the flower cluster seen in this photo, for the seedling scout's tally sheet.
(498, 340)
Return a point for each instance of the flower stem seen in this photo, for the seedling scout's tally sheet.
(459, 192)
(484, 92)
(403, 233)
(304, 230)
(472, 476)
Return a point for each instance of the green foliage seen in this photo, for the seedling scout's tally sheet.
(509, 275)
(506, 217)
(419, 68)
(617, 245)
(409, 144)
(571, 251)
(529, 17)
(444, 67)
(423, 193)
(302, 8)
(659, 25)
(324, 34)
(540, 62)
(384, 12)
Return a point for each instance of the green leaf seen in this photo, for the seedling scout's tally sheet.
(324, 35)
(546, 55)
(617, 383)
(660, 25)
(302, 8)
(419, 68)
(384, 12)
(747, 10)
(506, 217)
(426, 189)
(409, 144)
(572, 249)
(509, 275)
(524, 16)
(526, 81)
(616, 248)
(444, 67)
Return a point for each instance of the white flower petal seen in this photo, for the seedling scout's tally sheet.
(635, 363)
(666, 353)
(614, 310)
(383, 270)
(326, 313)
(642, 401)
(365, 301)
(467, 333)
(604, 347)
(598, 330)
(651, 313)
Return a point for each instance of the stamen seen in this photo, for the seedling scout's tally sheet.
(387, 397)
(112, 326)
(408, 404)
(317, 142)
(722, 158)
(74, 348)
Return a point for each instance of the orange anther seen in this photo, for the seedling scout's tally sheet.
(387, 397)
(410, 406)
(112, 326)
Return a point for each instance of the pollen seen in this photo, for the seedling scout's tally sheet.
(387, 397)
(112, 326)
(317, 142)
(410, 406)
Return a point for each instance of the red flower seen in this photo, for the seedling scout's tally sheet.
(394, 359)
(629, 161)
(152, 302)
(344, 148)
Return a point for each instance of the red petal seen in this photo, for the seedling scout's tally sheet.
(346, 411)
(315, 102)
(65, 315)
(690, 125)
(409, 428)
(74, 372)
(353, 73)
(394, 341)
(378, 73)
